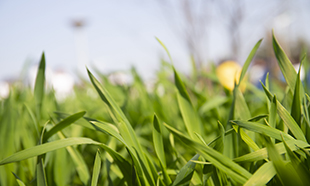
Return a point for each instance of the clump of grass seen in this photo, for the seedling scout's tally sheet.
(192, 134)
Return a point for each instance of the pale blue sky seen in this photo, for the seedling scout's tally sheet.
(119, 33)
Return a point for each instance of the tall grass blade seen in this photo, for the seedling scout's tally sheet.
(39, 86)
(159, 147)
(285, 64)
(96, 169)
(248, 60)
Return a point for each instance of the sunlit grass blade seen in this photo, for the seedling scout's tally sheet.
(248, 60)
(180, 86)
(263, 175)
(63, 124)
(39, 86)
(223, 163)
(262, 153)
(96, 169)
(285, 64)
(46, 147)
(186, 172)
(163, 45)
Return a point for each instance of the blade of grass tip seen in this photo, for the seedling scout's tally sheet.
(285, 64)
(287, 118)
(63, 124)
(284, 170)
(263, 175)
(39, 86)
(267, 86)
(96, 169)
(273, 113)
(189, 114)
(186, 172)
(163, 45)
(248, 60)
(300, 168)
(18, 180)
(296, 105)
(159, 147)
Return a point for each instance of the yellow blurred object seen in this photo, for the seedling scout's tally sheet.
(228, 73)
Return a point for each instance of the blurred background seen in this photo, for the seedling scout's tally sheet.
(116, 35)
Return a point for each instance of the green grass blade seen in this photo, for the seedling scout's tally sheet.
(223, 163)
(263, 129)
(158, 140)
(285, 64)
(287, 118)
(46, 147)
(263, 175)
(96, 169)
(296, 105)
(125, 129)
(39, 86)
(180, 86)
(163, 45)
(262, 153)
(285, 171)
(159, 147)
(273, 112)
(190, 117)
(248, 60)
(18, 180)
(298, 165)
(186, 172)
(41, 176)
(63, 124)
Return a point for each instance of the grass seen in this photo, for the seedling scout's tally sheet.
(186, 131)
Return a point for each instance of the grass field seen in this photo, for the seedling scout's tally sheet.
(184, 131)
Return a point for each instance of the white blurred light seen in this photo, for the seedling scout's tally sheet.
(302, 71)
(63, 85)
(4, 90)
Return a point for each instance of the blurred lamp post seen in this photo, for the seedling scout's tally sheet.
(81, 45)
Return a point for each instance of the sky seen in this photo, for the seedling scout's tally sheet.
(120, 34)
